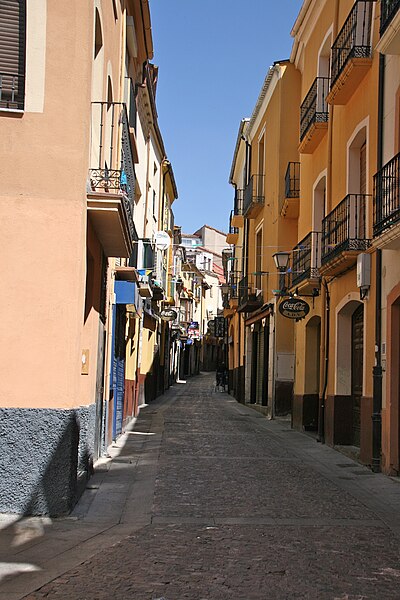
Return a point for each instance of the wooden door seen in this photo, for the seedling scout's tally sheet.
(357, 347)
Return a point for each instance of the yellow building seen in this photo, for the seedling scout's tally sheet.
(261, 340)
(386, 240)
(334, 49)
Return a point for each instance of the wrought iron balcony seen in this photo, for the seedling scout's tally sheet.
(314, 108)
(12, 91)
(112, 165)
(292, 180)
(238, 203)
(250, 299)
(354, 39)
(290, 203)
(111, 183)
(233, 234)
(388, 10)
(387, 196)
(306, 258)
(237, 217)
(253, 195)
(344, 229)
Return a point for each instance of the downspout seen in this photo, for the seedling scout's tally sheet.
(377, 369)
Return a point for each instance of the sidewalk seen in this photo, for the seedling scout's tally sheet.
(206, 499)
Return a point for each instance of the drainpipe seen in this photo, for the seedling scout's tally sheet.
(377, 369)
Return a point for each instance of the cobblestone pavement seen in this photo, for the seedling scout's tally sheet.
(243, 508)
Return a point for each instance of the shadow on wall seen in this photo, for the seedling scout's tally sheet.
(42, 460)
(47, 484)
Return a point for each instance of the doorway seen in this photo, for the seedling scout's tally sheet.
(357, 351)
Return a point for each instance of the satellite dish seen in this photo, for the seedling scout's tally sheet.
(162, 240)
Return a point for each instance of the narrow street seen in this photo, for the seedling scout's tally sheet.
(209, 500)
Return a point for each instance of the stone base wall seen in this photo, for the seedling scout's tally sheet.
(283, 398)
(44, 452)
(305, 412)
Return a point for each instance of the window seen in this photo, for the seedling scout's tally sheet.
(12, 53)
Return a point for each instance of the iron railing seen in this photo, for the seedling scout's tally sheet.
(306, 258)
(387, 196)
(238, 203)
(243, 290)
(314, 108)
(112, 168)
(388, 10)
(354, 39)
(292, 180)
(12, 91)
(232, 229)
(254, 193)
(344, 228)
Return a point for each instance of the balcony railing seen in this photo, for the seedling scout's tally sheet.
(12, 91)
(306, 258)
(112, 168)
(292, 180)
(254, 193)
(314, 108)
(388, 10)
(354, 39)
(387, 196)
(344, 229)
(238, 203)
(232, 230)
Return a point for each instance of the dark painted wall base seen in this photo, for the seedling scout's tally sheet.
(339, 420)
(305, 412)
(366, 430)
(236, 384)
(283, 398)
(44, 453)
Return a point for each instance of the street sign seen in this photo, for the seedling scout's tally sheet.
(294, 308)
(220, 330)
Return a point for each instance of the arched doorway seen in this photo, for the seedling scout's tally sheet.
(312, 374)
(349, 373)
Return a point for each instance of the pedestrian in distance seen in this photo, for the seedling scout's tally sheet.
(221, 377)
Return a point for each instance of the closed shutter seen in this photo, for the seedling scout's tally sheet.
(12, 53)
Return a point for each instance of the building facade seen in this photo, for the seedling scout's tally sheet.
(87, 192)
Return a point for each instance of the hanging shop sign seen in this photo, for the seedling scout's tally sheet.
(168, 314)
(220, 327)
(294, 308)
(162, 240)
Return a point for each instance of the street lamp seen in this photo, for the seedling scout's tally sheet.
(281, 260)
(225, 287)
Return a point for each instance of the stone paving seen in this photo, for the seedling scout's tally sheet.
(234, 507)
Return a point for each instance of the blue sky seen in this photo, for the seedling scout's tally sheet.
(213, 56)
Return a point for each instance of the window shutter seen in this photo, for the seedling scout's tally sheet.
(12, 53)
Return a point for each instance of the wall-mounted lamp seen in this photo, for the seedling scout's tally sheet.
(225, 287)
(281, 260)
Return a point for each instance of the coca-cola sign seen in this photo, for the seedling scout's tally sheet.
(294, 308)
(168, 314)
